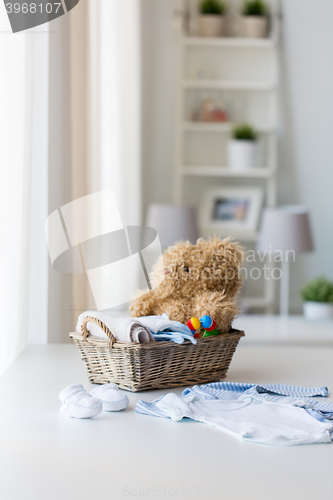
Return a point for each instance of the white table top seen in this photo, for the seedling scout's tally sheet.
(294, 329)
(45, 456)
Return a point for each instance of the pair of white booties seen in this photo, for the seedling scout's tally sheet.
(78, 403)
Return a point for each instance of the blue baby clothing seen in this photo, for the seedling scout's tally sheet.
(163, 328)
(266, 414)
(139, 330)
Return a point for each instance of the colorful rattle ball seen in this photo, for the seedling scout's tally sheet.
(193, 324)
(207, 323)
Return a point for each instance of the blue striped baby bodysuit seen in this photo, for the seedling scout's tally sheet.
(266, 414)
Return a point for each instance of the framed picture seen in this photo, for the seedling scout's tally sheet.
(231, 210)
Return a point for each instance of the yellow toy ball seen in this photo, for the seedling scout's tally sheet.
(194, 324)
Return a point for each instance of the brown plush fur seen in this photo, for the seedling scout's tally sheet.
(201, 279)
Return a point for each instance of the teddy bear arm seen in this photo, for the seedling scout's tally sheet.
(225, 315)
(143, 305)
(176, 310)
(215, 305)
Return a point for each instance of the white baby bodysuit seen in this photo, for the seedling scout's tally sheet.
(269, 414)
(266, 423)
(260, 422)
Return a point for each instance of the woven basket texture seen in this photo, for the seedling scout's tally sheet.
(155, 365)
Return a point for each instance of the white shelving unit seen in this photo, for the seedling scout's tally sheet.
(217, 171)
(261, 43)
(248, 70)
(227, 85)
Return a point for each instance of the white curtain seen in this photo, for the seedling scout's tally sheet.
(114, 102)
(69, 126)
(109, 43)
(23, 181)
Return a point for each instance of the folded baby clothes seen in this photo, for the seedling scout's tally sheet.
(124, 329)
(269, 414)
(139, 330)
(78, 403)
(113, 399)
(164, 328)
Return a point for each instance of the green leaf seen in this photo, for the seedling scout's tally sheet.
(215, 7)
(318, 290)
(254, 8)
(244, 131)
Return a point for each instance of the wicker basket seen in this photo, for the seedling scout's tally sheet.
(155, 365)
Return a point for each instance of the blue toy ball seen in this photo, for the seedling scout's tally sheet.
(206, 322)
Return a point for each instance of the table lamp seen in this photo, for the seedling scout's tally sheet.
(284, 229)
(173, 223)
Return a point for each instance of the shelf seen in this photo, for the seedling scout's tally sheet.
(227, 85)
(239, 235)
(217, 127)
(247, 71)
(260, 173)
(260, 43)
(254, 302)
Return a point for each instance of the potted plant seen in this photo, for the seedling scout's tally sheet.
(242, 147)
(254, 19)
(318, 299)
(212, 17)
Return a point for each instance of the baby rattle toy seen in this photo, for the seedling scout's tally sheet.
(194, 325)
(209, 325)
(205, 322)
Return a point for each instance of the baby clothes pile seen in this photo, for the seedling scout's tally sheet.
(139, 330)
(266, 414)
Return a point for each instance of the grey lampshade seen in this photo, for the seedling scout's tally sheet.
(285, 228)
(173, 223)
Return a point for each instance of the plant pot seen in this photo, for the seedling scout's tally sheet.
(211, 25)
(241, 154)
(318, 310)
(254, 26)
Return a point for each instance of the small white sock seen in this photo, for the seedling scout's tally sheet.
(113, 399)
(78, 403)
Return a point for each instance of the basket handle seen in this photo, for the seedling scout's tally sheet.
(85, 331)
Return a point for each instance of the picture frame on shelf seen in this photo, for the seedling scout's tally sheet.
(233, 211)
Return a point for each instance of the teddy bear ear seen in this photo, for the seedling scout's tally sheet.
(234, 250)
(227, 246)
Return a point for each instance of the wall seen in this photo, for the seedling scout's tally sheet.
(60, 314)
(158, 98)
(306, 149)
(305, 146)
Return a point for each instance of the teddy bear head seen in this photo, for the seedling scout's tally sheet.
(210, 265)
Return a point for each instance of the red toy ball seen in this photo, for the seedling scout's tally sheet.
(207, 323)
(193, 324)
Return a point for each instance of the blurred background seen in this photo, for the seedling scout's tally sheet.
(223, 107)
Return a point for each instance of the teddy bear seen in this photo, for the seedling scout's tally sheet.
(201, 279)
